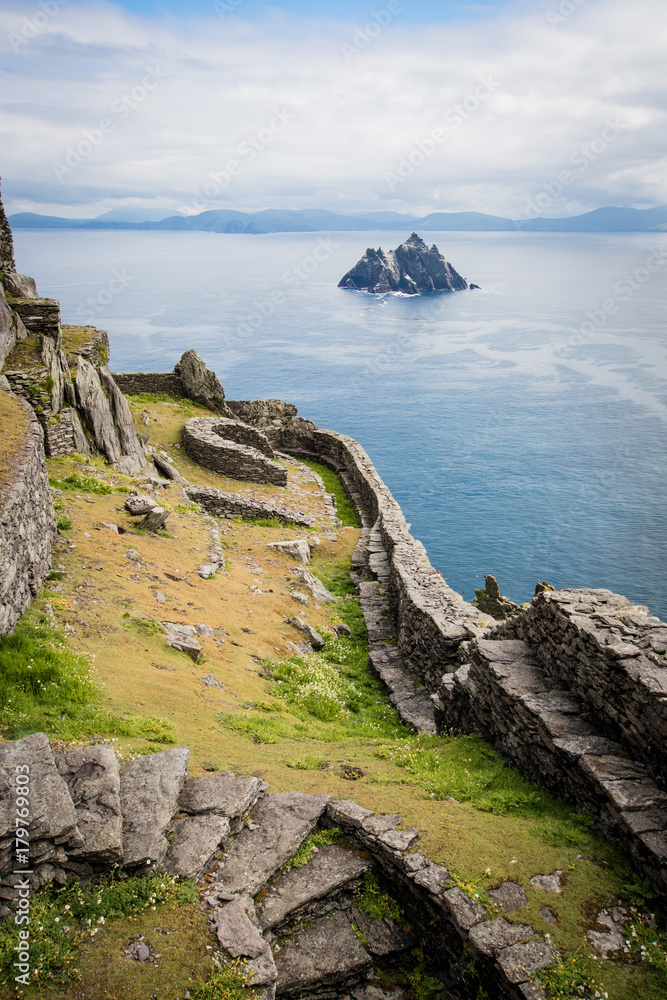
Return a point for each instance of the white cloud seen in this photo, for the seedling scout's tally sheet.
(347, 122)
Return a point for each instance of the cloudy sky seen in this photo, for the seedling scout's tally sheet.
(405, 105)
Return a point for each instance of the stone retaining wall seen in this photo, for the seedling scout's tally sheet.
(87, 813)
(433, 620)
(27, 527)
(221, 504)
(549, 734)
(612, 654)
(136, 383)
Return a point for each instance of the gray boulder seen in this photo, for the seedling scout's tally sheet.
(411, 268)
(149, 790)
(20, 285)
(298, 548)
(314, 637)
(236, 931)
(92, 776)
(201, 385)
(196, 840)
(331, 877)
(52, 821)
(221, 794)
(181, 637)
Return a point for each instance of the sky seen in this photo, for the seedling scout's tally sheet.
(550, 107)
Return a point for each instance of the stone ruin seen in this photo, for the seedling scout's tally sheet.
(298, 930)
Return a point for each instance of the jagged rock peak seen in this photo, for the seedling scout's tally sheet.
(6, 242)
(411, 268)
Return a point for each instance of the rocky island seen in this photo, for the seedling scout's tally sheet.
(411, 268)
(213, 619)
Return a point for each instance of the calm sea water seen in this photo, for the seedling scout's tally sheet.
(521, 427)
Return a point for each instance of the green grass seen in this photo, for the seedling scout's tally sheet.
(45, 687)
(87, 484)
(231, 983)
(344, 506)
(376, 902)
(62, 918)
(318, 839)
(186, 405)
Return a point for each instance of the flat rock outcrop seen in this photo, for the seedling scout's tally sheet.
(281, 822)
(411, 268)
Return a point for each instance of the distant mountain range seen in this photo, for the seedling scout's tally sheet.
(601, 220)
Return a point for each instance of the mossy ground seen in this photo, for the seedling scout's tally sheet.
(14, 424)
(317, 723)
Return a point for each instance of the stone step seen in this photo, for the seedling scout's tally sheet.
(330, 880)
(322, 960)
(504, 694)
(281, 822)
(611, 653)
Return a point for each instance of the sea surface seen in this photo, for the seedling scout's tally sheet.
(522, 427)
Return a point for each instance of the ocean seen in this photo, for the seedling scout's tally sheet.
(521, 427)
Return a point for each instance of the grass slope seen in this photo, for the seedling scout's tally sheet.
(318, 723)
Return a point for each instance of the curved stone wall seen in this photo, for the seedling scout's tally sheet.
(233, 449)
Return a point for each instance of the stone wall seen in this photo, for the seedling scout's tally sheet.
(137, 383)
(87, 813)
(221, 504)
(232, 449)
(433, 620)
(551, 736)
(27, 526)
(6, 243)
(611, 653)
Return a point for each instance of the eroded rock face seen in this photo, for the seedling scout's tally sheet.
(92, 776)
(200, 384)
(149, 791)
(411, 268)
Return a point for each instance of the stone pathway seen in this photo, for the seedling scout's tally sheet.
(370, 573)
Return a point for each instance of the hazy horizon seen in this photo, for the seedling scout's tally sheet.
(410, 106)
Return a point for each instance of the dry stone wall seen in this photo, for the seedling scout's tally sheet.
(27, 526)
(87, 813)
(137, 383)
(611, 653)
(233, 449)
(432, 618)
